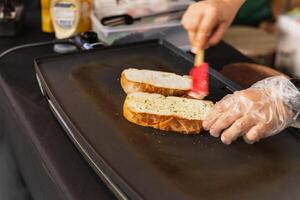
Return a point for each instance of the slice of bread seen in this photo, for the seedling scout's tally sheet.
(171, 113)
(165, 83)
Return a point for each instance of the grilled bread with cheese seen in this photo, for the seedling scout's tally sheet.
(170, 113)
(150, 81)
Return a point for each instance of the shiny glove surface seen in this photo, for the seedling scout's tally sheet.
(264, 109)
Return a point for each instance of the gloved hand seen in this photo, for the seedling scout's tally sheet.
(206, 21)
(264, 109)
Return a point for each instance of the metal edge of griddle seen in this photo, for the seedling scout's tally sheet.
(54, 56)
(77, 139)
(67, 129)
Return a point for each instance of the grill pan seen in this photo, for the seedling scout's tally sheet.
(137, 162)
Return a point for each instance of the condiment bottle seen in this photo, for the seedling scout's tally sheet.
(70, 17)
(46, 18)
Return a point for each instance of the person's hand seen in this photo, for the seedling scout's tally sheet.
(255, 113)
(206, 21)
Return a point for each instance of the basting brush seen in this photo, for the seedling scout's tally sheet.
(199, 74)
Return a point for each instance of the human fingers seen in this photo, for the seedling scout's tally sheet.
(205, 28)
(238, 128)
(220, 107)
(190, 21)
(192, 18)
(255, 133)
(217, 35)
(223, 122)
(191, 35)
(211, 119)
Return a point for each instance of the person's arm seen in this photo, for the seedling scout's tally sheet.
(264, 109)
(206, 21)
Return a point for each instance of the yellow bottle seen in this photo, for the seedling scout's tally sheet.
(46, 18)
(70, 17)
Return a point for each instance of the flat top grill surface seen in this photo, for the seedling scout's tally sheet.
(146, 163)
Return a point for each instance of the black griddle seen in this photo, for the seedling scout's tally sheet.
(137, 162)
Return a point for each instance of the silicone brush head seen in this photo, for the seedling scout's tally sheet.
(199, 76)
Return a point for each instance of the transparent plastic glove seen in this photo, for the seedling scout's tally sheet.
(264, 109)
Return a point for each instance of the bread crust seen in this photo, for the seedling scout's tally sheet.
(132, 86)
(162, 122)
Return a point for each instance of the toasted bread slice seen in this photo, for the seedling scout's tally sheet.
(165, 83)
(170, 113)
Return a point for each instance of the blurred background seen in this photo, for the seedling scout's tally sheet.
(265, 30)
(268, 31)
